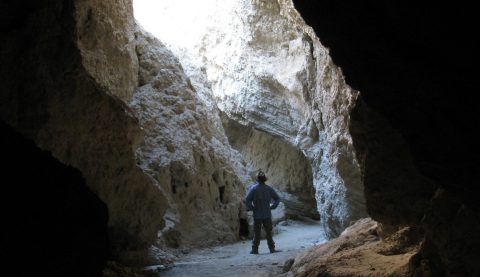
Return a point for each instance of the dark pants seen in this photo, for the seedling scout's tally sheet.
(257, 230)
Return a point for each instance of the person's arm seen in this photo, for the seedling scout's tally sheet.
(249, 200)
(275, 198)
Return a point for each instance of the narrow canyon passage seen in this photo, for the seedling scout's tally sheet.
(286, 114)
(129, 139)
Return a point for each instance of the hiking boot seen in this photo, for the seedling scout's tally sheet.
(254, 252)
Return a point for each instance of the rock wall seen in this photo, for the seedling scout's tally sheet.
(268, 70)
(413, 128)
(54, 92)
(105, 38)
(69, 72)
(186, 151)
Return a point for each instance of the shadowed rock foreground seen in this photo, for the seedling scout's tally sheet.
(359, 251)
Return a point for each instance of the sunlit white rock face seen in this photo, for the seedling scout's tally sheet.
(186, 151)
(268, 70)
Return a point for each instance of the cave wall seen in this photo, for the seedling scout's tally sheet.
(51, 96)
(414, 124)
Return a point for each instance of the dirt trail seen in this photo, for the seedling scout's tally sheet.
(235, 260)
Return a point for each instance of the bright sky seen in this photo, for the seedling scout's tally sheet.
(178, 22)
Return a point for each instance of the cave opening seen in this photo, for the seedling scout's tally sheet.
(221, 192)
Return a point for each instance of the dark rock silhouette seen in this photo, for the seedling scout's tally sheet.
(415, 66)
(52, 224)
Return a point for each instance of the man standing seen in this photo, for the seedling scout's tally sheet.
(259, 200)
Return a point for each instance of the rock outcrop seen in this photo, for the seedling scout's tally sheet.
(359, 251)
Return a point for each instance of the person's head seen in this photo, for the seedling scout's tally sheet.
(261, 177)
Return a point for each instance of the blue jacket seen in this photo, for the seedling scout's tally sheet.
(258, 200)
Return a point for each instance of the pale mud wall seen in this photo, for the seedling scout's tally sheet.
(65, 102)
(186, 151)
(269, 71)
(286, 167)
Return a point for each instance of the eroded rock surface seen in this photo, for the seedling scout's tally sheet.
(186, 151)
(359, 251)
